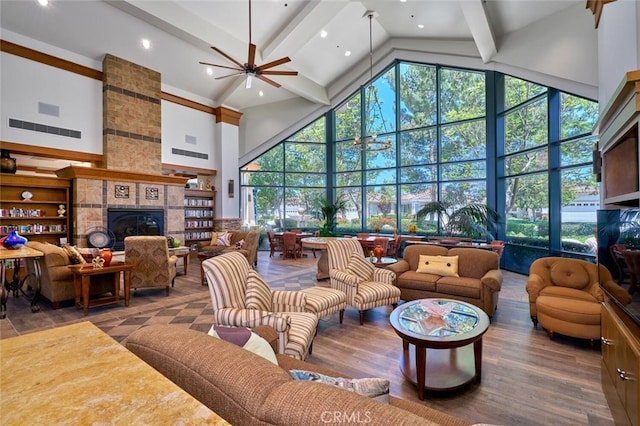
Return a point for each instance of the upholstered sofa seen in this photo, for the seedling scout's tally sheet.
(249, 247)
(479, 281)
(56, 279)
(246, 389)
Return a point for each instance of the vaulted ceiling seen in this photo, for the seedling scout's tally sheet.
(182, 32)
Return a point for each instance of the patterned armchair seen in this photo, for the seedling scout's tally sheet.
(366, 286)
(152, 265)
(241, 298)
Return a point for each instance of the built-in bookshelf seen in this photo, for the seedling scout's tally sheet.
(199, 214)
(36, 207)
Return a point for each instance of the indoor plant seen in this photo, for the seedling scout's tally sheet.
(472, 220)
(329, 210)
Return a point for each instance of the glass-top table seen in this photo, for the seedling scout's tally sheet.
(447, 337)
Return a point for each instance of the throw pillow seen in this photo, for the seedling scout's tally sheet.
(239, 245)
(74, 255)
(223, 239)
(258, 295)
(246, 339)
(373, 388)
(446, 266)
(214, 239)
(360, 267)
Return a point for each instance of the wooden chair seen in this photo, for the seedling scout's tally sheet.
(617, 257)
(290, 245)
(394, 247)
(275, 244)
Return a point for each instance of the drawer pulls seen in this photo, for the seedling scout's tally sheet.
(622, 374)
(606, 341)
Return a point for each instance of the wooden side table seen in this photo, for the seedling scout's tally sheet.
(82, 281)
(15, 285)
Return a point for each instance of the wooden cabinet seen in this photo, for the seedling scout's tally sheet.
(199, 212)
(42, 217)
(620, 365)
(620, 145)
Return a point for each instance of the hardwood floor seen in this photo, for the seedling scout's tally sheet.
(527, 379)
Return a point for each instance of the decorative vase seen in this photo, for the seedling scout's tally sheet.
(378, 252)
(7, 162)
(106, 254)
(14, 240)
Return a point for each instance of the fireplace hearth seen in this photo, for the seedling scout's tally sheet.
(128, 222)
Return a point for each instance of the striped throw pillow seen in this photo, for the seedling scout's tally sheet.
(360, 267)
(258, 294)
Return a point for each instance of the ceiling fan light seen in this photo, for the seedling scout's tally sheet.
(247, 83)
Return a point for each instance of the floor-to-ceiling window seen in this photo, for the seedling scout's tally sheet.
(280, 188)
(437, 120)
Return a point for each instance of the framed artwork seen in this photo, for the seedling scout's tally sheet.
(151, 193)
(122, 191)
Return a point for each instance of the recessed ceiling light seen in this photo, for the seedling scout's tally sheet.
(209, 71)
(347, 53)
(146, 43)
(261, 93)
(43, 2)
(403, 1)
(420, 26)
(323, 33)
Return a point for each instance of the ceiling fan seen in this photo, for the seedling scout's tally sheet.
(249, 68)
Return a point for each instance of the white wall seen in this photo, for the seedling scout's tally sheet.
(226, 163)
(25, 83)
(618, 45)
(180, 125)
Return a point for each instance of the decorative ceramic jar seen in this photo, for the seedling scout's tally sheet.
(378, 252)
(106, 254)
(7, 162)
(14, 240)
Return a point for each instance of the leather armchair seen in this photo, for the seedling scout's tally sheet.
(152, 265)
(565, 296)
(241, 298)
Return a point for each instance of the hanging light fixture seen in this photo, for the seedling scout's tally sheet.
(371, 143)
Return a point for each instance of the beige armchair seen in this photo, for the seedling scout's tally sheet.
(565, 296)
(152, 265)
(366, 286)
(56, 279)
(241, 298)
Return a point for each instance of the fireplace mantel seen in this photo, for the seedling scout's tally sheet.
(77, 172)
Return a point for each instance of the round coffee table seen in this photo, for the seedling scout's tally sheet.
(448, 349)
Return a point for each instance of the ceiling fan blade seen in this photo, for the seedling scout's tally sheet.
(241, 66)
(268, 80)
(274, 63)
(229, 75)
(252, 54)
(222, 66)
(279, 72)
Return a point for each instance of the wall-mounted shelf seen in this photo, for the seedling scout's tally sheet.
(36, 218)
(199, 215)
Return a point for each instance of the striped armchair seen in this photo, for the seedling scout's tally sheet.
(366, 286)
(241, 298)
(152, 265)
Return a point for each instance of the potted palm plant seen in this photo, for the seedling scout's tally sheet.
(329, 210)
(474, 220)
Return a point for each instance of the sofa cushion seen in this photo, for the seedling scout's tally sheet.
(258, 294)
(566, 273)
(223, 239)
(74, 255)
(567, 293)
(360, 267)
(459, 286)
(374, 388)
(418, 281)
(446, 266)
(574, 311)
(246, 339)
